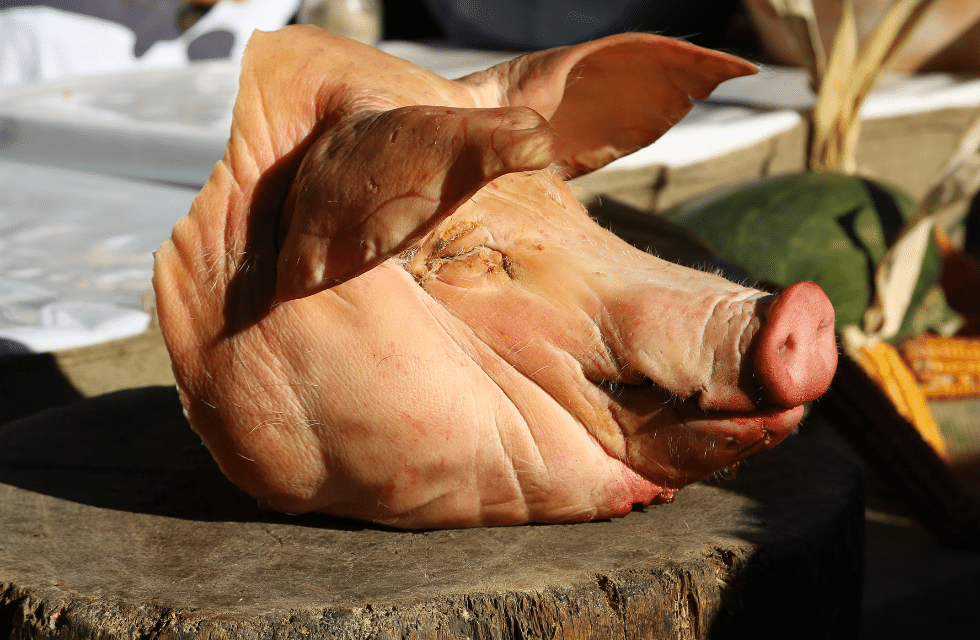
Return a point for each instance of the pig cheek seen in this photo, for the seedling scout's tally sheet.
(555, 348)
(392, 468)
(398, 455)
(654, 443)
(260, 460)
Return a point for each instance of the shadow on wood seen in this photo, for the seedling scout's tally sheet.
(129, 451)
(115, 520)
(30, 383)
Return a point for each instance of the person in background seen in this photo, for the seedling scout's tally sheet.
(538, 24)
(55, 39)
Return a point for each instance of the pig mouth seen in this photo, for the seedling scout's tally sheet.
(675, 441)
(638, 398)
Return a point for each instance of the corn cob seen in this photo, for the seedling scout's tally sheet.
(883, 363)
(866, 418)
(944, 367)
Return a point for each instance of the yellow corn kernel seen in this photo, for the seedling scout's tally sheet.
(885, 366)
(945, 367)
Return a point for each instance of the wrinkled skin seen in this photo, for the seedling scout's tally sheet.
(386, 303)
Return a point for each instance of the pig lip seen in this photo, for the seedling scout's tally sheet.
(749, 432)
(737, 408)
(778, 419)
(716, 438)
(703, 442)
(773, 423)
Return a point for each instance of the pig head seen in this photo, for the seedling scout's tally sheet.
(386, 303)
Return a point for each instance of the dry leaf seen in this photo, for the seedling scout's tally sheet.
(801, 21)
(960, 178)
(898, 271)
(851, 76)
(834, 113)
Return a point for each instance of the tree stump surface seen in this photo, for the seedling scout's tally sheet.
(115, 522)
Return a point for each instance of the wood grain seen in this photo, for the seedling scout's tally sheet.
(115, 522)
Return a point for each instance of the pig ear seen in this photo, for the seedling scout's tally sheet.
(610, 97)
(376, 184)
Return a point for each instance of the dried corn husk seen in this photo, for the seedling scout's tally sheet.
(936, 370)
(946, 40)
(801, 21)
(898, 271)
(835, 117)
(850, 76)
(888, 438)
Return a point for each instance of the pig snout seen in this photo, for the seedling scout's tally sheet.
(796, 349)
(780, 352)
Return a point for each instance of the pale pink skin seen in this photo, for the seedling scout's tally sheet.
(386, 304)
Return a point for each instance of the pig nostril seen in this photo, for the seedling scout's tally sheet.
(796, 352)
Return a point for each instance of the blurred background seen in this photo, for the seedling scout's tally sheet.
(113, 113)
(29, 29)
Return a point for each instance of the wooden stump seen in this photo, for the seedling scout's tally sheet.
(115, 522)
